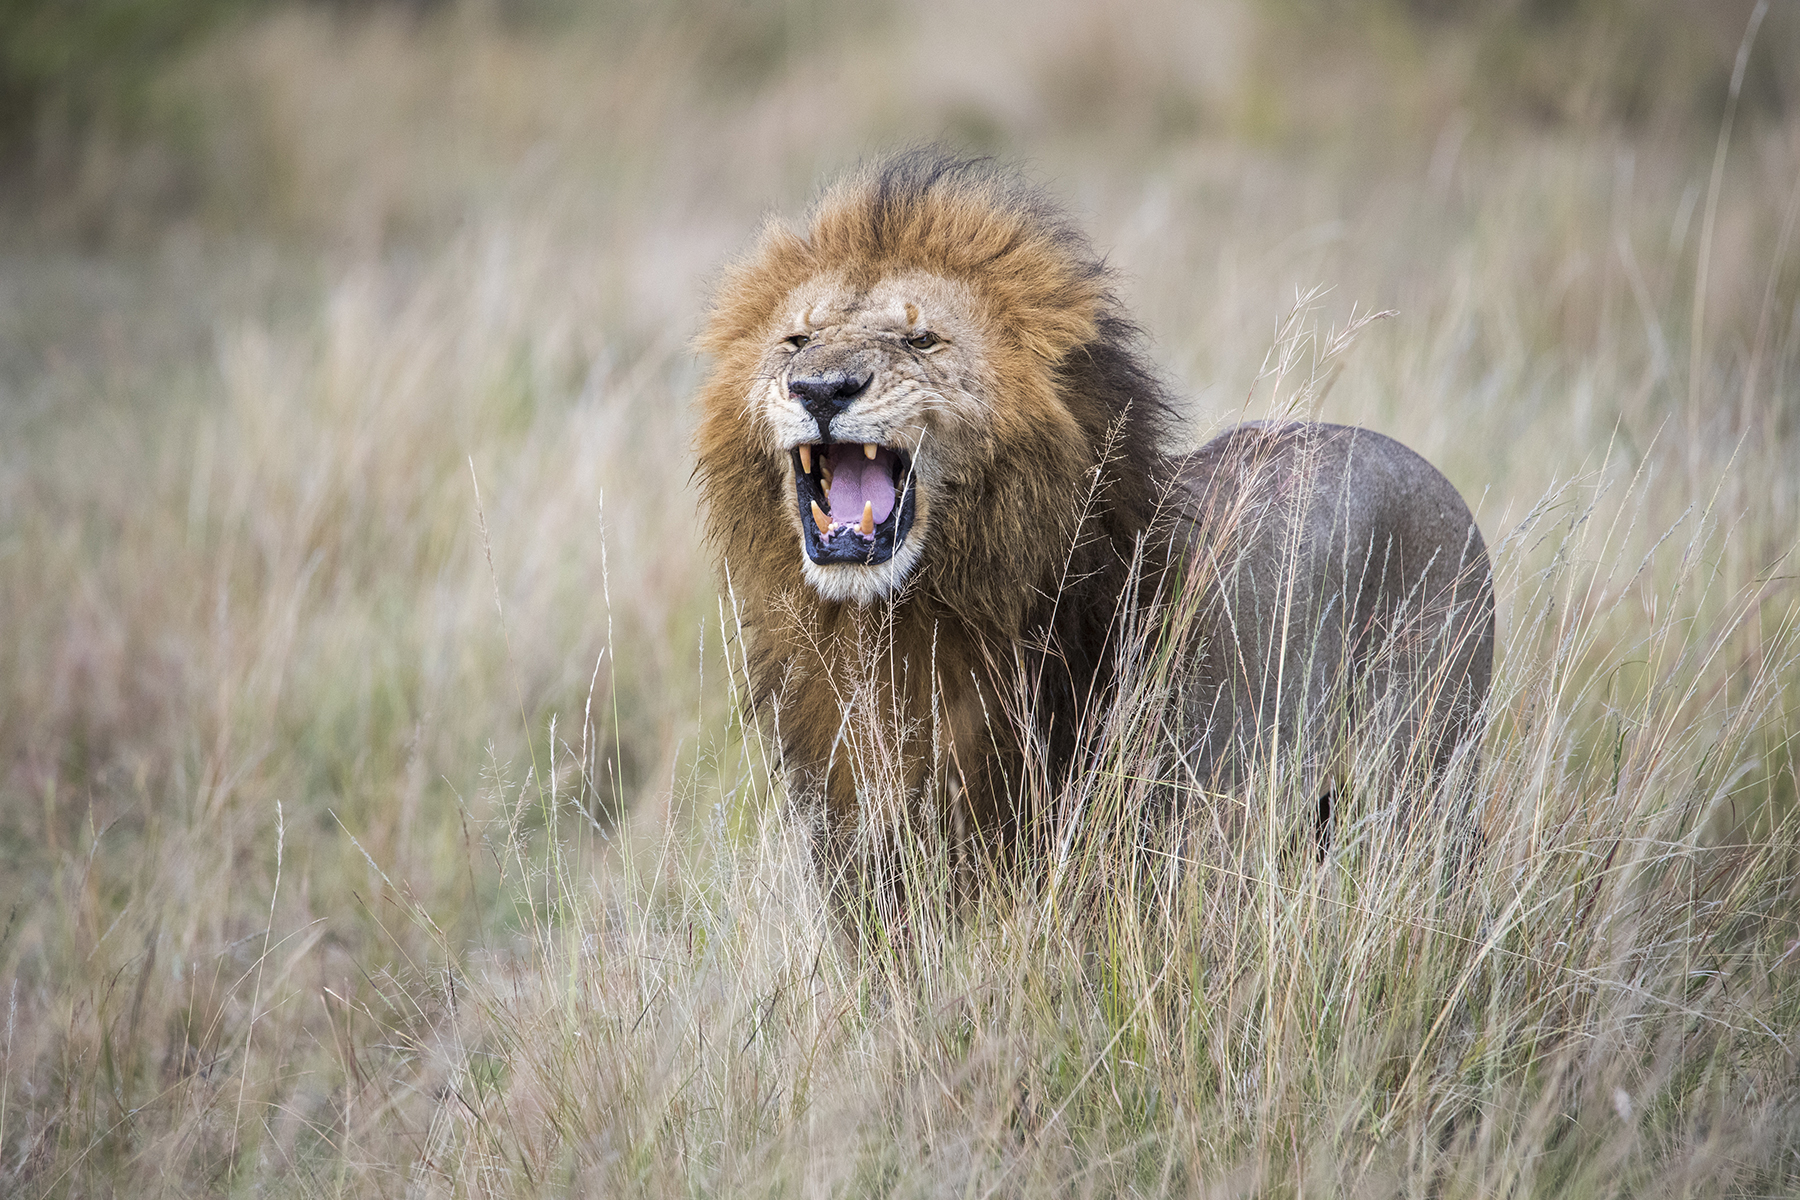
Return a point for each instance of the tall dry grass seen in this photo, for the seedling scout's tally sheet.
(379, 813)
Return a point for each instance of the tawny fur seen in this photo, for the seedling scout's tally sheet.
(1046, 501)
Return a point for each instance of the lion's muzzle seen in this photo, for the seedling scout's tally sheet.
(826, 395)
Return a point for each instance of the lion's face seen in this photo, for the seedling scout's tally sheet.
(872, 396)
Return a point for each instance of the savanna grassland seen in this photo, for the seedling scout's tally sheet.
(377, 813)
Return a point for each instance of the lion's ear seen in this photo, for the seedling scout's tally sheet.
(754, 286)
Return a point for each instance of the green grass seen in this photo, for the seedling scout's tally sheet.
(378, 813)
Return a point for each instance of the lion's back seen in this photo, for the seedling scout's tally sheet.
(1346, 579)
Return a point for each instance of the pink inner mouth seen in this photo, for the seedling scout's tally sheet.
(857, 479)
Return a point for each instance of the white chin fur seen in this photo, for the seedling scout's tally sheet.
(855, 583)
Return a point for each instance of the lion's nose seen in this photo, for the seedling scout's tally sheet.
(827, 395)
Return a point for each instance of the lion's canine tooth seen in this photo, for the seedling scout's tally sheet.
(820, 519)
(869, 451)
(806, 458)
(868, 521)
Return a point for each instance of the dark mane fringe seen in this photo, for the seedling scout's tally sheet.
(1125, 408)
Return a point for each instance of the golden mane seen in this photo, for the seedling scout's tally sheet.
(1069, 394)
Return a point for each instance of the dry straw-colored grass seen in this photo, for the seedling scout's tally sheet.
(377, 815)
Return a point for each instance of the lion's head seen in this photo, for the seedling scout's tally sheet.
(897, 391)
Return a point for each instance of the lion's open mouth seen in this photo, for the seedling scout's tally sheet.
(856, 500)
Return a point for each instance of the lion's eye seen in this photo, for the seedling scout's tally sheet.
(924, 341)
(798, 340)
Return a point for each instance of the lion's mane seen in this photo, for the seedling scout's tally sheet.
(1026, 563)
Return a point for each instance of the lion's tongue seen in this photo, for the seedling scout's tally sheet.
(857, 479)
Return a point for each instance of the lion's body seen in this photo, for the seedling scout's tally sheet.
(1011, 494)
(1342, 574)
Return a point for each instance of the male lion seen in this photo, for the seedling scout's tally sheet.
(932, 460)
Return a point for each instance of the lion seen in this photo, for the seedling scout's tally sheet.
(934, 465)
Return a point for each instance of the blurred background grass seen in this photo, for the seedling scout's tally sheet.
(283, 284)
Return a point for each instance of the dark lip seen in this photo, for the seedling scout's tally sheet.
(848, 546)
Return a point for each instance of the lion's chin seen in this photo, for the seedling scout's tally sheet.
(859, 583)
